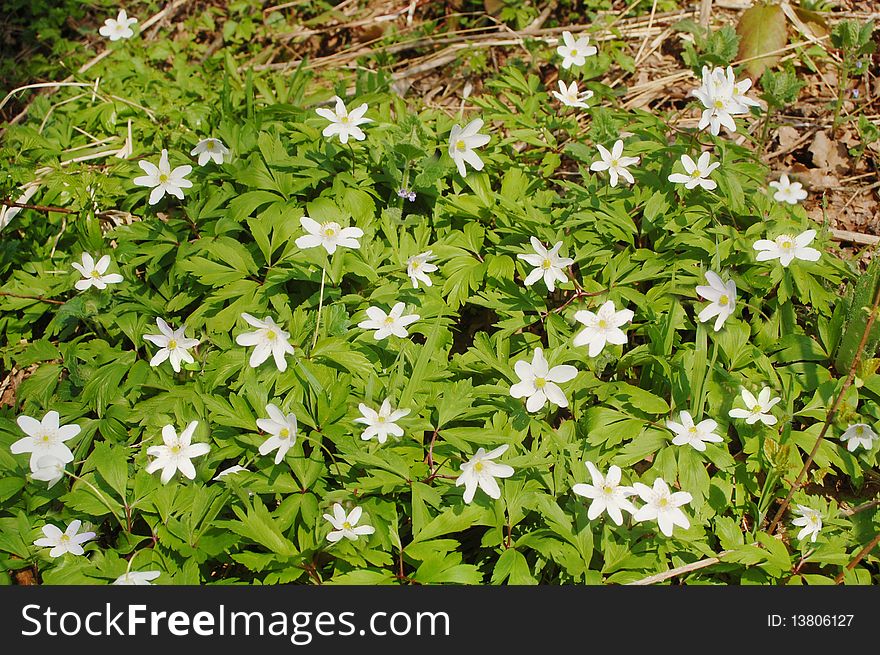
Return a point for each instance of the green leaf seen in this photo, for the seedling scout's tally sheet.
(112, 464)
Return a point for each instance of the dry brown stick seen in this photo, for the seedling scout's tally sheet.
(861, 508)
(26, 297)
(645, 40)
(855, 237)
(687, 568)
(39, 208)
(858, 558)
(463, 36)
(830, 416)
(705, 12)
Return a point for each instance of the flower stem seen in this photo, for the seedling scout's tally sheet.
(320, 306)
(832, 412)
(101, 497)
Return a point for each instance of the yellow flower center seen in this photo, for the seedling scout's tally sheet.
(540, 383)
(45, 438)
(172, 344)
(723, 300)
(209, 145)
(860, 430)
(175, 449)
(460, 145)
(697, 173)
(64, 538)
(270, 335)
(787, 244)
(344, 120)
(574, 52)
(603, 323)
(346, 525)
(615, 163)
(95, 274)
(546, 264)
(692, 429)
(756, 409)
(381, 419)
(719, 104)
(478, 467)
(329, 231)
(607, 489)
(163, 178)
(389, 320)
(663, 502)
(284, 433)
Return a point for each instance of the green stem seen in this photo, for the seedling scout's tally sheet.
(101, 497)
(320, 306)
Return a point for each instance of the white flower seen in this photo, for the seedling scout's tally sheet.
(282, 431)
(716, 95)
(738, 92)
(571, 97)
(118, 28)
(548, 264)
(394, 322)
(721, 297)
(331, 235)
(45, 439)
(607, 493)
(787, 248)
(418, 267)
(173, 345)
(49, 469)
(480, 471)
(95, 273)
(137, 578)
(229, 471)
(602, 327)
(208, 149)
(696, 173)
(268, 339)
(382, 423)
(539, 383)
(163, 179)
(614, 162)
(857, 435)
(574, 52)
(346, 526)
(176, 453)
(64, 542)
(757, 409)
(788, 191)
(344, 123)
(810, 522)
(697, 435)
(462, 142)
(662, 506)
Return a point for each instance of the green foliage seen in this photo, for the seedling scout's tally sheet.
(229, 248)
(780, 88)
(709, 47)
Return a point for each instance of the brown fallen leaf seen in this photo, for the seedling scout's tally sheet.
(815, 179)
(787, 136)
(828, 154)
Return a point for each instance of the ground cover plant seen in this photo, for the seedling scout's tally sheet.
(267, 320)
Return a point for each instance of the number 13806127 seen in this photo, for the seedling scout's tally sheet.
(810, 620)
